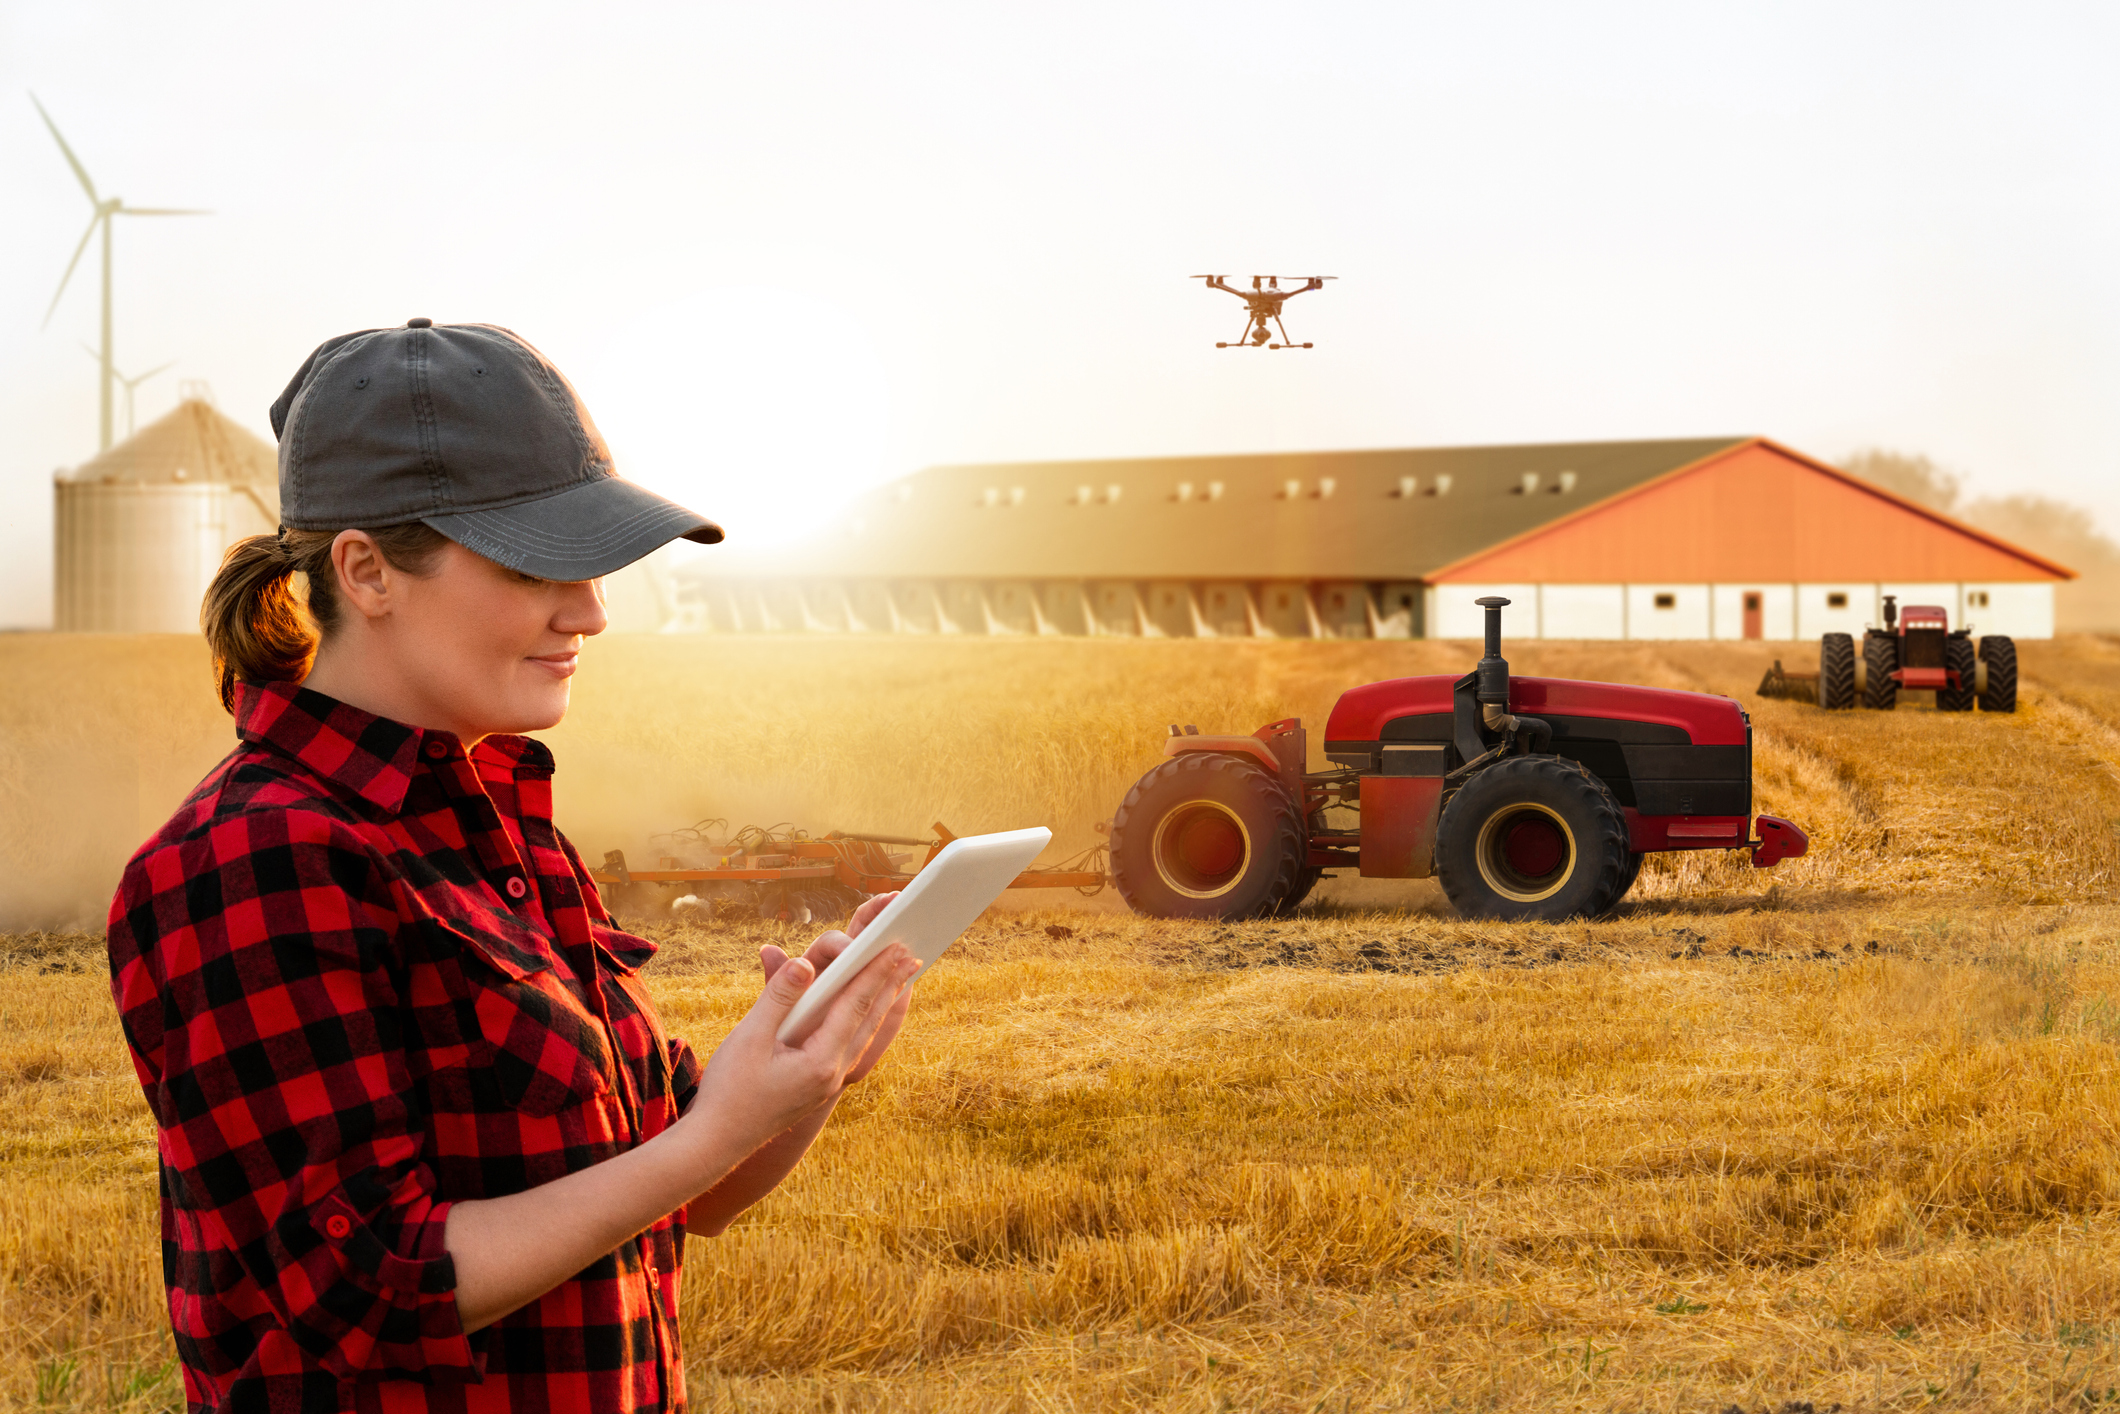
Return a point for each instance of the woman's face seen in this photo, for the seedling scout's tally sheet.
(473, 647)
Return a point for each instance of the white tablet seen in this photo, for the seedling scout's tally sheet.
(928, 915)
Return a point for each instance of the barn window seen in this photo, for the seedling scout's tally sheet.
(1667, 601)
(1976, 599)
(1281, 600)
(1220, 598)
(1339, 601)
(1405, 601)
(1836, 601)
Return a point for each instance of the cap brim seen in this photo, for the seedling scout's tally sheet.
(583, 532)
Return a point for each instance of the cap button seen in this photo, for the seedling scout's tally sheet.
(423, 322)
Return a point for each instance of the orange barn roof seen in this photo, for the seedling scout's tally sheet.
(1755, 511)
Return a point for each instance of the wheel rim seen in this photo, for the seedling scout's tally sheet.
(1526, 852)
(1201, 849)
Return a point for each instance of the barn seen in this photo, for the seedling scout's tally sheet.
(1712, 538)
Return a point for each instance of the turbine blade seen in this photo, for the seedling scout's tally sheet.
(135, 382)
(85, 238)
(71, 160)
(159, 211)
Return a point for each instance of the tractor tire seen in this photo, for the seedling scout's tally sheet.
(1958, 657)
(1628, 873)
(2000, 655)
(1532, 839)
(1306, 879)
(1836, 672)
(1206, 835)
(1880, 659)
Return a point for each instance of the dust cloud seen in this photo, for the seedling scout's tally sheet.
(2055, 529)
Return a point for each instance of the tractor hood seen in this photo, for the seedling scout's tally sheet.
(1360, 714)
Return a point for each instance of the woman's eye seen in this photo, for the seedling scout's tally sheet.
(532, 579)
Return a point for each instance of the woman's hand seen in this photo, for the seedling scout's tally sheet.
(755, 1088)
(820, 955)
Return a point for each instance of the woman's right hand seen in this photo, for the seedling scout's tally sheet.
(754, 1087)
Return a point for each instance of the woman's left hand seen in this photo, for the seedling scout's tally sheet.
(821, 953)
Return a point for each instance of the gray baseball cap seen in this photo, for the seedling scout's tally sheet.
(468, 429)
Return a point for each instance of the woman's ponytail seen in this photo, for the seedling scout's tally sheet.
(259, 630)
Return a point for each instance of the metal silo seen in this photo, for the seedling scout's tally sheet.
(140, 530)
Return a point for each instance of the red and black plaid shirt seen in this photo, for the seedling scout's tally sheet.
(364, 977)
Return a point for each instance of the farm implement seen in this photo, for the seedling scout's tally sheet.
(1519, 816)
(784, 873)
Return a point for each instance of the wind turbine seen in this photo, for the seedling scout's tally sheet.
(130, 383)
(106, 207)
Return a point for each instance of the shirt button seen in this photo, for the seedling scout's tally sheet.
(436, 750)
(516, 887)
(337, 1226)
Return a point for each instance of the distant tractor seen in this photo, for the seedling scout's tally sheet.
(1519, 816)
(1917, 650)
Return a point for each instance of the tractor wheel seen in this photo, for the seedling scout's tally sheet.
(1306, 879)
(1958, 658)
(1880, 658)
(1836, 671)
(2000, 655)
(1628, 873)
(1208, 836)
(1532, 839)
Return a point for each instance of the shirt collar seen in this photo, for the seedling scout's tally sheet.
(370, 756)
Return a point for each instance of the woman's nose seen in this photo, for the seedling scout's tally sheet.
(581, 609)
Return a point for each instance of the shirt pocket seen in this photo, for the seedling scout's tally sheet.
(540, 1045)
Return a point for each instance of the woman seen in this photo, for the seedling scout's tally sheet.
(423, 1142)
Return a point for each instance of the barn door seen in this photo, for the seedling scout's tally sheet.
(1752, 614)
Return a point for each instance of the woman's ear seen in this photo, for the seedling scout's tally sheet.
(364, 578)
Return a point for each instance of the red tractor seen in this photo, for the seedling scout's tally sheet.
(1529, 798)
(1916, 650)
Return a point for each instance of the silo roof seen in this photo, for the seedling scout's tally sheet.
(1385, 515)
(193, 443)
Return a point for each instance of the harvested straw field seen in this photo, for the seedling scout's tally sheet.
(1838, 1133)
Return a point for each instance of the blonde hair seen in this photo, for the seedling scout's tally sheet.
(259, 631)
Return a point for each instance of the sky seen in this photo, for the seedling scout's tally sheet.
(787, 251)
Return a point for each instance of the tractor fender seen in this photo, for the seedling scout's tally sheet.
(1250, 746)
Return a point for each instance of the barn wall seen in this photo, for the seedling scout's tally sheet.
(1582, 611)
(2019, 610)
(1455, 615)
(1777, 610)
(1816, 613)
(1667, 610)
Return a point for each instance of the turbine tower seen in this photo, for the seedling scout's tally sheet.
(131, 384)
(105, 208)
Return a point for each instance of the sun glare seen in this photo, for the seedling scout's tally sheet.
(764, 408)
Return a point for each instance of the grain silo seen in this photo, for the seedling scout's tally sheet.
(141, 529)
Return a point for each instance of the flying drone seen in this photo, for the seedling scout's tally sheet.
(1262, 306)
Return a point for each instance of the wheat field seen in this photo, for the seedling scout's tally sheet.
(1838, 1133)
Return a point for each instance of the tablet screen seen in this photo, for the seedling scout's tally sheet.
(928, 915)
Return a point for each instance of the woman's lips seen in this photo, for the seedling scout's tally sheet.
(560, 665)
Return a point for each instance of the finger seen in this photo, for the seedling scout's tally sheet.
(866, 914)
(770, 959)
(861, 1000)
(785, 989)
(827, 947)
